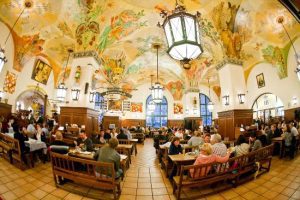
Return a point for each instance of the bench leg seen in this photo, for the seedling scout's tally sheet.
(115, 193)
(178, 192)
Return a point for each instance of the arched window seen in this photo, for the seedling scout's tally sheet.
(159, 117)
(266, 107)
(204, 113)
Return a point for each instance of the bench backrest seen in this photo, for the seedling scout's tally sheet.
(124, 141)
(101, 171)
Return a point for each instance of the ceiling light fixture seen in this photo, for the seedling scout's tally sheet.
(151, 105)
(157, 89)
(280, 20)
(183, 34)
(61, 90)
(210, 105)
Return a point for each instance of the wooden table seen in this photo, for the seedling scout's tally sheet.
(182, 159)
(134, 142)
(280, 141)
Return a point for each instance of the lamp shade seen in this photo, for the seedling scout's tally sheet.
(75, 94)
(157, 93)
(183, 35)
(3, 59)
(92, 97)
(210, 106)
(61, 92)
(241, 98)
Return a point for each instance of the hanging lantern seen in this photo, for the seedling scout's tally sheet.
(241, 98)
(183, 35)
(157, 93)
(61, 92)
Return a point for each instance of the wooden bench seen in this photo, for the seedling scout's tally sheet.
(103, 178)
(6, 146)
(232, 170)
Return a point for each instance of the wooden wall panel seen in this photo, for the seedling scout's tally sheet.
(80, 116)
(228, 120)
(5, 110)
(133, 122)
(289, 114)
(107, 120)
(192, 123)
(175, 123)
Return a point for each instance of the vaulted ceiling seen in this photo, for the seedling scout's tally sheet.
(121, 32)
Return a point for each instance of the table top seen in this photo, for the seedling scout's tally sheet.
(125, 146)
(185, 146)
(182, 157)
(278, 139)
(133, 140)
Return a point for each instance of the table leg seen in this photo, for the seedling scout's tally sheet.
(281, 149)
(135, 148)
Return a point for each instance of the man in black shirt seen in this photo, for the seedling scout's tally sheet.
(84, 142)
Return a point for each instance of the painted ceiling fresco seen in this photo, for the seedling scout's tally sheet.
(121, 32)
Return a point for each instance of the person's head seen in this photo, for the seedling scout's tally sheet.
(58, 136)
(241, 139)
(206, 149)
(113, 143)
(207, 138)
(82, 134)
(215, 138)
(286, 128)
(197, 133)
(101, 133)
(113, 130)
(38, 126)
(273, 127)
(291, 124)
(176, 141)
(253, 136)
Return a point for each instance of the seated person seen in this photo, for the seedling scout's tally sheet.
(242, 147)
(109, 154)
(206, 156)
(127, 132)
(196, 139)
(20, 134)
(59, 139)
(218, 147)
(207, 138)
(179, 133)
(107, 134)
(101, 139)
(287, 135)
(84, 142)
(114, 133)
(95, 138)
(188, 134)
(175, 148)
(122, 135)
(157, 138)
(39, 134)
(254, 142)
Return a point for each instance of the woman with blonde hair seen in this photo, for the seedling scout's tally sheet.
(59, 139)
(206, 156)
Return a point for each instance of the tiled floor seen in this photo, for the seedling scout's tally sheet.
(145, 180)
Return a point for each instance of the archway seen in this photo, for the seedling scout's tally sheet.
(267, 107)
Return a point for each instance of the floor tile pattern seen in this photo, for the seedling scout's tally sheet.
(145, 180)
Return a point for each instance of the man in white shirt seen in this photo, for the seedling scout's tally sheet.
(294, 131)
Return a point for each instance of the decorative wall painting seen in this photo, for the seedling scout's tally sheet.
(260, 80)
(136, 107)
(41, 72)
(114, 105)
(178, 108)
(10, 82)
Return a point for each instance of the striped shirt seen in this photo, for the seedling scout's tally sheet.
(219, 149)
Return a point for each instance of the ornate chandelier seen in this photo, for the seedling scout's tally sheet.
(183, 35)
(157, 89)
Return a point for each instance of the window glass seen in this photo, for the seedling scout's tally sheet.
(159, 117)
(205, 114)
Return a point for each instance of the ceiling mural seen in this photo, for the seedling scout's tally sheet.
(121, 32)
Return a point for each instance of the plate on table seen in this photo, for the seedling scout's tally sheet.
(86, 152)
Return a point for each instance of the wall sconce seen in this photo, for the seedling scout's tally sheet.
(294, 101)
(92, 97)
(75, 94)
(1, 95)
(241, 98)
(226, 100)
